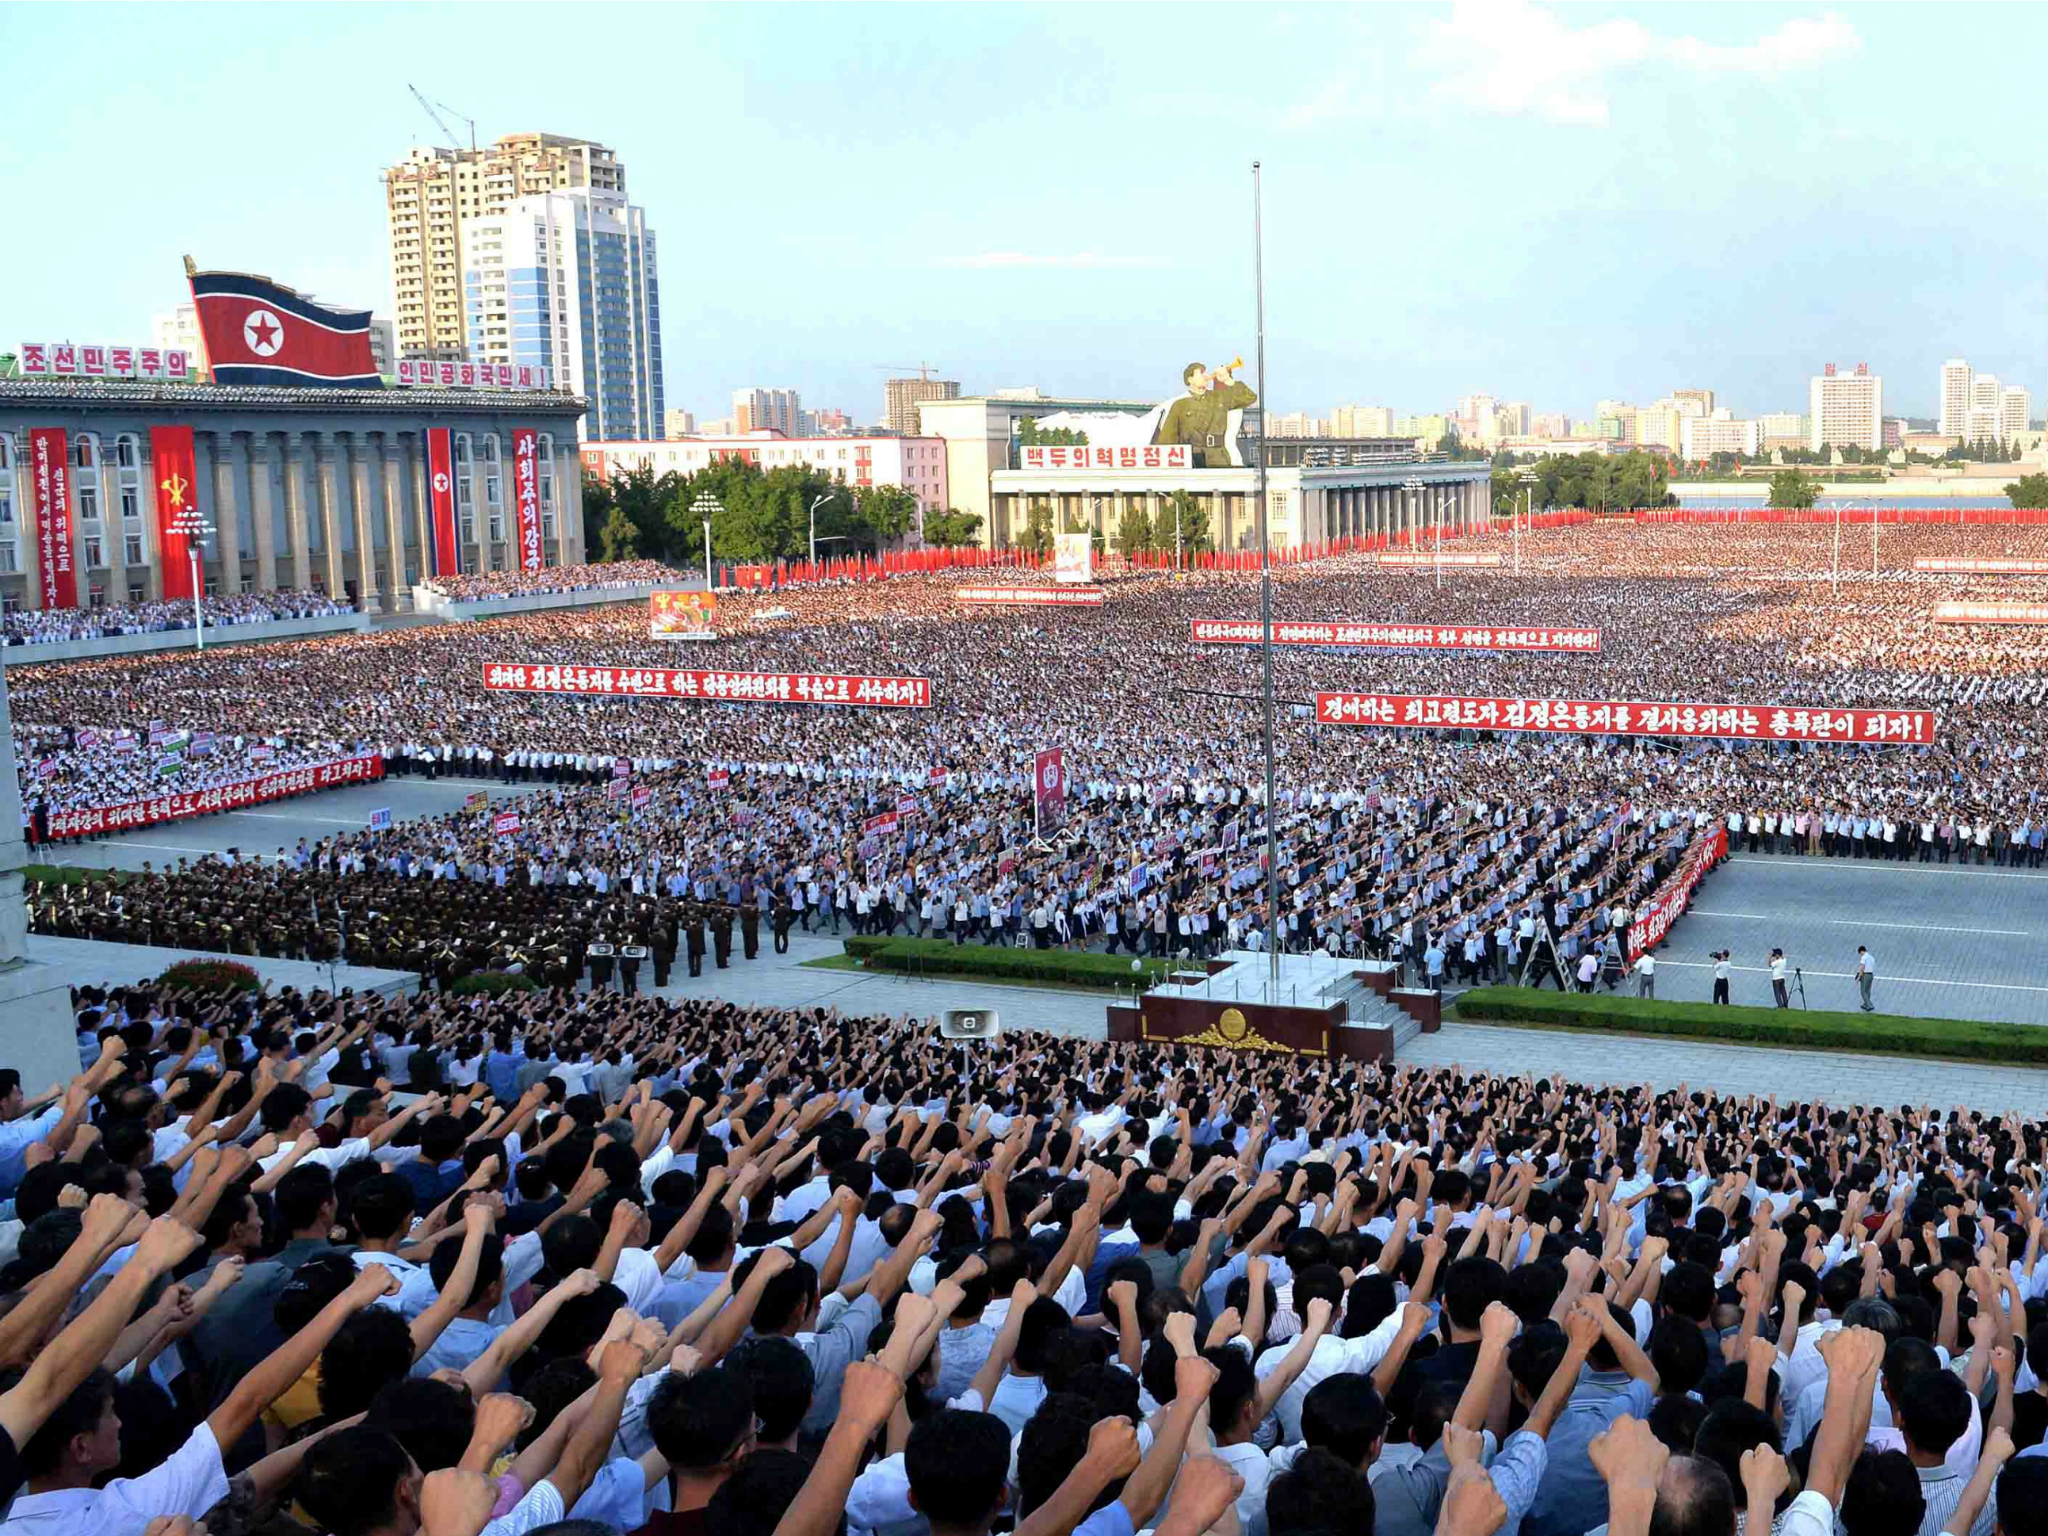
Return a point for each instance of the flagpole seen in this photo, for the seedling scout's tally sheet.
(1266, 603)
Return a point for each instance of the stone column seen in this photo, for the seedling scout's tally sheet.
(393, 478)
(263, 520)
(229, 525)
(333, 513)
(365, 491)
(221, 516)
(299, 453)
(569, 530)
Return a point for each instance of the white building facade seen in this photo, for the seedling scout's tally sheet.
(1845, 410)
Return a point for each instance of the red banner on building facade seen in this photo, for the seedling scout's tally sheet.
(49, 469)
(175, 469)
(1425, 637)
(441, 501)
(1027, 597)
(222, 797)
(526, 498)
(1584, 717)
(710, 687)
(1991, 613)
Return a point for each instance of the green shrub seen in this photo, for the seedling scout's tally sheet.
(942, 957)
(1875, 1033)
(211, 976)
(495, 983)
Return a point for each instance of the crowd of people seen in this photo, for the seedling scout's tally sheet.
(1394, 842)
(496, 586)
(574, 1262)
(46, 626)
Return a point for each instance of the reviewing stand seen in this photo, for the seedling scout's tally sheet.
(1324, 1006)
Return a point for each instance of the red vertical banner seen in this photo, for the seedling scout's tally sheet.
(175, 470)
(526, 498)
(50, 474)
(441, 502)
(1049, 792)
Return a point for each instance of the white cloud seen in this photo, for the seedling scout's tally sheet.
(1514, 57)
(1081, 260)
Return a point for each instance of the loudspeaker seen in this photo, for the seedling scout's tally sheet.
(970, 1024)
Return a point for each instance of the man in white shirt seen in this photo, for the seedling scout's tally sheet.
(1866, 975)
(1646, 976)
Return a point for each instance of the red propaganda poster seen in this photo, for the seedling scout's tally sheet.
(221, 797)
(177, 501)
(876, 826)
(526, 497)
(1993, 566)
(505, 823)
(441, 501)
(49, 468)
(1991, 613)
(1425, 637)
(906, 805)
(1429, 557)
(1031, 597)
(706, 687)
(641, 796)
(1654, 921)
(1591, 717)
(717, 778)
(937, 778)
(1049, 796)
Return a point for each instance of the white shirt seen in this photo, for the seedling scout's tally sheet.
(189, 1482)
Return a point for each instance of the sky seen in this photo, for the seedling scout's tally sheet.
(1552, 203)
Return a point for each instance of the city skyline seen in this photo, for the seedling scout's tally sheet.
(1750, 230)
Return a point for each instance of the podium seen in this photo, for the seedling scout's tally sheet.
(1324, 1007)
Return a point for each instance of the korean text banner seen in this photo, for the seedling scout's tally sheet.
(1432, 557)
(1991, 613)
(1029, 597)
(710, 687)
(1600, 717)
(221, 797)
(1424, 637)
(1991, 566)
(49, 467)
(526, 498)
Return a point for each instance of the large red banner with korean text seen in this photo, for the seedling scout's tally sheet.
(1656, 916)
(1026, 597)
(1049, 789)
(1991, 613)
(441, 501)
(49, 469)
(712, 687)
(526, 498)
(1431, 557)
(1603, 717)
(1421, 637)
(1081, 456)
(177, 502)
(1989, 567)
(222, 797)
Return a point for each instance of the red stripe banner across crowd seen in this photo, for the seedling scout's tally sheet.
(1991, 613)
(1431, 557)
(222, 797)
(1655, 917)
(1419, 637)
(1026, 597)
(1989, 567)
(1602, 717)
(714, 687)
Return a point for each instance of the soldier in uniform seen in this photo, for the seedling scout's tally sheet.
(693, 938)
(600, 966)
(721, 935)
(782, 917)
(1201, 418)
(750, 929)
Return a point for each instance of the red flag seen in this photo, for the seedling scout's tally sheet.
(177, 502)
(260, 332)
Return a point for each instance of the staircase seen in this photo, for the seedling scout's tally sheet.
(1365, 1008)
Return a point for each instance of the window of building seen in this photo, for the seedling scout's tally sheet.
(127, 452)
(86, 458)
(95, 552)
(131, 549)
(135, 591)
(96, 596)
(86, 452)
(10, 564)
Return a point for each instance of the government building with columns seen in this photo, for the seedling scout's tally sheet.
(306, 488)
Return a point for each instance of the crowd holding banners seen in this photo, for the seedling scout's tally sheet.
(1991, 613)
(1391, 838)
(497, 586)
(699, 1267)
(1990, 567)
(1731, 722)
(1427, 637)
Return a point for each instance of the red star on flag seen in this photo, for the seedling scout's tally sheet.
(261, 332)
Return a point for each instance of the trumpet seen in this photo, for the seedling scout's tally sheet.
(1235, 364)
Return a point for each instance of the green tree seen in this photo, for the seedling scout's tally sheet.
(1134, 532)
(1031, 435)
(1186, 512)
(1790, 488)
(884, 513)
(2029, 491)
(1036, 539)
(952, 528)
(618, 539)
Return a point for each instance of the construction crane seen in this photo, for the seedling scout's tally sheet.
(924, 370)
(439, 122)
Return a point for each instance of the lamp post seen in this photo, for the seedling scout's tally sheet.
(814, 525)
(1528, 477)
(195, 528)
(1873, 540)
(1273, 928)
(1838, 550)
(706, 506)
(1412, 486)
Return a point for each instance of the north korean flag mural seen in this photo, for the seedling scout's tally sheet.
(441, 502)
(260, 332)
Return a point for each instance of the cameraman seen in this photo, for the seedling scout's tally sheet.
(1721, 970)
(1778, 979)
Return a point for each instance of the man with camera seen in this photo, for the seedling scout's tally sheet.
(1778, 991)
(1721, 970)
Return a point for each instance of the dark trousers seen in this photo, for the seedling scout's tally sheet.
(697, 964)
(1721, 989)
(782, 941)
(1778, 991)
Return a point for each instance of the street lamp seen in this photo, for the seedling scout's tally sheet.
(189, 522)
(828, 496)
(1528, 479)
(706, 506)
(1413, 486)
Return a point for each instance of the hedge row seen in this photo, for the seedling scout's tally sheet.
(494, 983)
(942, 957)
(1875, 1033)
